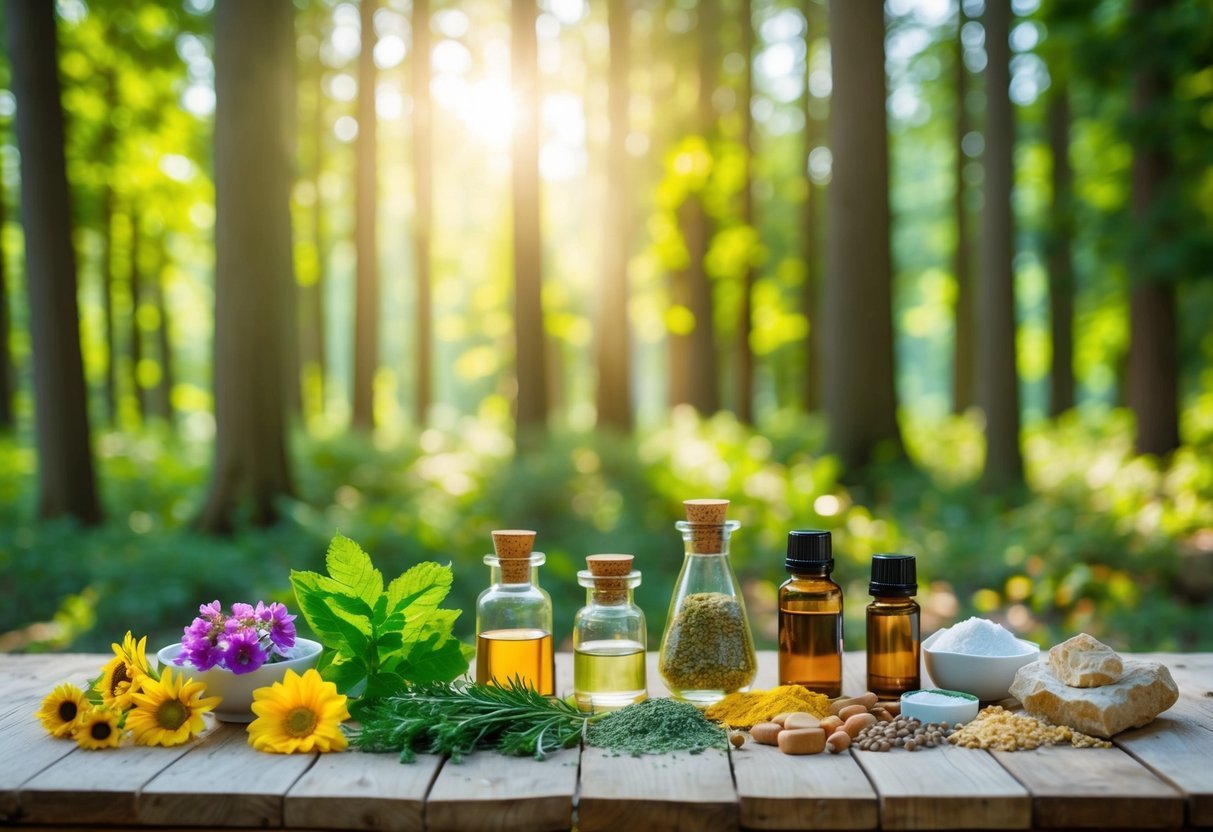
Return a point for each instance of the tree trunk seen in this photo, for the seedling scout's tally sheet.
(253, 268)
(366, 300)
(614, 394)
(811, 291)
(704, 379)
(745, 354)
(998, 379)
(962, 264)
(105, 151)
(423, 173)
(315, 337)
(530, 358)
(65, 461)
(136, 331)
(1152, 389)
(858, 393)
(164, 341)
(1058, 259)
(8, 372)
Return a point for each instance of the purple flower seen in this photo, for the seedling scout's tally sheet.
(282, 628)
(244, 612)
(211, 610)
(202, 654)
(244, 652)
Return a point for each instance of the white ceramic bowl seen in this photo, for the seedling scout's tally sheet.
(986, 677)
(962, 708)
(237, 689)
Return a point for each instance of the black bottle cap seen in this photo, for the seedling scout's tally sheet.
(895, 575)
(809, 549)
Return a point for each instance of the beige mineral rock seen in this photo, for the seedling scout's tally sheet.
(1085, 662)
(1144, 690)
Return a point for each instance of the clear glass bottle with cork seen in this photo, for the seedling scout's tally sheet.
(893, 615)
(609, 639)
(810, 615)
(514, 617)
(707, 651)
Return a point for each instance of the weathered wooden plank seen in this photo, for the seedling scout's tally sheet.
(222, 782)
(362, 791)
(489, 792)
(27, 750)
(1178, 747)
(775, 791)
(1093, 788)
(93, 788)
(656, 792)
(28, 678)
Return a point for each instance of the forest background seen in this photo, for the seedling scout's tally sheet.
(932, 275)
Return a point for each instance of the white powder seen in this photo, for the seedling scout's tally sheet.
(930, 697)
(979, 637)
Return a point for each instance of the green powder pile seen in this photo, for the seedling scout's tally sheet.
(656, 726)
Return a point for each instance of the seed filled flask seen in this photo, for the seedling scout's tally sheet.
(609, 639)
(810, 616)
(514, 617)
(893, 626)
(707, 651)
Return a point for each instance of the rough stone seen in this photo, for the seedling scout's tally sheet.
(1085, 662)
(1144, 690)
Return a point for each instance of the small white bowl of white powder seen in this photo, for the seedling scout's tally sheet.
(950, 706)
(977, 656)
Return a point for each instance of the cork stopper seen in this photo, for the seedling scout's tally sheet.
(513, 548)
(610, 571)
(706, 517)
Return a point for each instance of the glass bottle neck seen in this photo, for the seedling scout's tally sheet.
(496, 577)
(894, 601)
(612, 598)
(810, 573)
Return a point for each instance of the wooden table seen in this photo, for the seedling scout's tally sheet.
(1160, 776)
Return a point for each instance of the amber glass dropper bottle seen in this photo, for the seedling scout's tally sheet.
(810, 616)
(893, 626)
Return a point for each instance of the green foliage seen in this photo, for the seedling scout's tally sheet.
(376, 641)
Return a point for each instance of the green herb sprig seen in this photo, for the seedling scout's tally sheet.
(461, 717)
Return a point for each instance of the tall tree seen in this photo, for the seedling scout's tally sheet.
(423, 179)
(164, 396)
(366, 299)
(811, 291)
(313, 309)
(962, 361)
(1153, 374)
(1058, 259)
(530, 358)
(858, 394)
(136, 331)
(65, 461)
(8, 375)
(703, 378)
(254, 46)
(998, 379)
(614, 395)
(106, 152)
(745, 326)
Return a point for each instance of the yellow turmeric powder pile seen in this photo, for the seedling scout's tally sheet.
(745, 710)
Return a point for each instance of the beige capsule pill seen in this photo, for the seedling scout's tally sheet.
(831, 724)
(838, 742)
(857, 723)
(802, 741)
(801, 720)
(850, 711)
(766, 733)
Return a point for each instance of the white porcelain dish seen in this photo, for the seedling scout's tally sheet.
(237, 689)
(986, 677)
(962, 708)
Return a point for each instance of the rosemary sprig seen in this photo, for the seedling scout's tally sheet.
(460, 717)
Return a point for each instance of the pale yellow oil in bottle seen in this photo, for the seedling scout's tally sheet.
(502, 655)
(608, 674)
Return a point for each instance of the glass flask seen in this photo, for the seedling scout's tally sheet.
(707, 651)
(893, 626)
(514, 617)
(609, 639)
(810, 616)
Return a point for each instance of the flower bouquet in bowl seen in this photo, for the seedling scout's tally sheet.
(234, 653)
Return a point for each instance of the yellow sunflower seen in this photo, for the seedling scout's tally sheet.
(98, 728)
(300, 713)
(62, 709)
(116, 685)
(169, 711)
(134, 653)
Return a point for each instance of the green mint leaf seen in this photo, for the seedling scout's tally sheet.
(351, 567)
(324, 617)
(417, 593)
(438, 662)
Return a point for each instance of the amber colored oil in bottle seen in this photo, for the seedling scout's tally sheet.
(893, 638)
(502, 655)
(810, 616)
